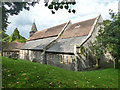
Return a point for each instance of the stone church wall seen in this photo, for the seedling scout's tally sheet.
(13, 54)
(61, 60)
(104, 62)
(65, 60)
(58, 60)
(82, 61)
(33, 56)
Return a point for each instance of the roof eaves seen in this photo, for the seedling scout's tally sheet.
(60, 52)
(42, 38)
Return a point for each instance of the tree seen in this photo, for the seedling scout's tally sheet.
(56, 4)
(14, 8)
(3, 35)
(15, 37)
(108, 39)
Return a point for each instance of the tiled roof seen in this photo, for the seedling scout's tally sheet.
(39, 44)
(66, 45)
(79, 29)
(74, 34)
(49, 32)
(12, 46)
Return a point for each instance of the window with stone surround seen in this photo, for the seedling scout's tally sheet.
(67, 59)
(61, 58)
(50, 56)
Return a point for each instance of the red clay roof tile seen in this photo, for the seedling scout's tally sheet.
(49, 32)
(79, 29)
(74, 30)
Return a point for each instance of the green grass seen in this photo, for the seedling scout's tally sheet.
(25, 74)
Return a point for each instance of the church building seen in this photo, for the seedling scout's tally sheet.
(60, 45)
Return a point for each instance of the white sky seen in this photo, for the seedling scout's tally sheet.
(85, 9)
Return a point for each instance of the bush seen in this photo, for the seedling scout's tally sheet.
(34, 60)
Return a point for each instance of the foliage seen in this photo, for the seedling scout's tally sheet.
(25, 74)
(83, 51)
(56, 5)
(90, 54)
(6, 39)
(20, 40)
(15, 37)
(34, 60)
(2, 34)
(14, 8)
(108, 39)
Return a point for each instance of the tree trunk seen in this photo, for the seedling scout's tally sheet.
(97, 63)
(116, 63)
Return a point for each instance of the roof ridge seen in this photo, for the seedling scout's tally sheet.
(50, 27)
(84, 20)
(42, 30)
(57, 25)
(48, 32)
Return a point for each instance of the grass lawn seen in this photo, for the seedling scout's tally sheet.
(25, 74)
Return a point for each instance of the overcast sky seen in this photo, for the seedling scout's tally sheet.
(85, 9)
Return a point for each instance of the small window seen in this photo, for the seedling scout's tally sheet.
(61, 58)
(67, 59)
(78, 26)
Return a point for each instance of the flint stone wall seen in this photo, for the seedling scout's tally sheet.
(104, 61)
(58, 60)
(11, 54)
(61, 60)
